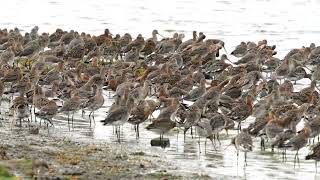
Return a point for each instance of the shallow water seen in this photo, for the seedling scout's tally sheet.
(186, 154)
(286, 24)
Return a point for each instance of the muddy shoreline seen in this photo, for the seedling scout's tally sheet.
(26, 155)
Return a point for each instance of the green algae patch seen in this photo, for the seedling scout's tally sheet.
(65, 158)
(5, 174)
(138, 153)
(162, 175)
(24, 165)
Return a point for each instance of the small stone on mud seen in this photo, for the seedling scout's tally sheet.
(34, 130)
(138, 153)
(73, 171)
(98, 173)
(165, 142)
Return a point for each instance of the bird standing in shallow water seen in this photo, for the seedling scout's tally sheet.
(161, 126)
(298, 142)
(72, 105)
(243, 142)
(22, 112)
(120, 114)
(94, 103)
(315, 155)
(47, 112)
(204, 129)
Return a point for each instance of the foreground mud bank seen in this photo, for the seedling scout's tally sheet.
(26, 156)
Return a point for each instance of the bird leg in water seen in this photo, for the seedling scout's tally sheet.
(30, 112)
(72, 119)
(199, 145)
(20, 124)
(29, 123)
(296, 158)
(137, 131)
(237, 157)
(69, 121)
(245, 158)
(263, 145)
(177, 135)
(205, 146)
(218, 139)
(82, 113)
(239, 126)
(191, 132)
(48, 128)
(118, 133)
(34, 112)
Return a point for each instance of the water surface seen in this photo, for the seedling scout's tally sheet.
(288, 24)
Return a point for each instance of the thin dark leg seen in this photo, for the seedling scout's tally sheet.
(239, 126)
(199, 145)
(28, 123)
(69, 121)
(298, 158)
(72, 119)
(138, 133)
(119, 134)
(48, 127)
(177, 137)
(31, 113)
(245, 158)
(285, 154)
(262, 144)
(34, 112)
(205, 146)
(295, 157)
(82, 113)
(237, 157)
(191, 132)
(116, 131)
(218, 139)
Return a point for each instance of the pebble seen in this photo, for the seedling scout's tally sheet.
(73, 171)
(164, 143)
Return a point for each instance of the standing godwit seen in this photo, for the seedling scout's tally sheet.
(299, 141)
(120, 114)
(315, 155)
(243, 142)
